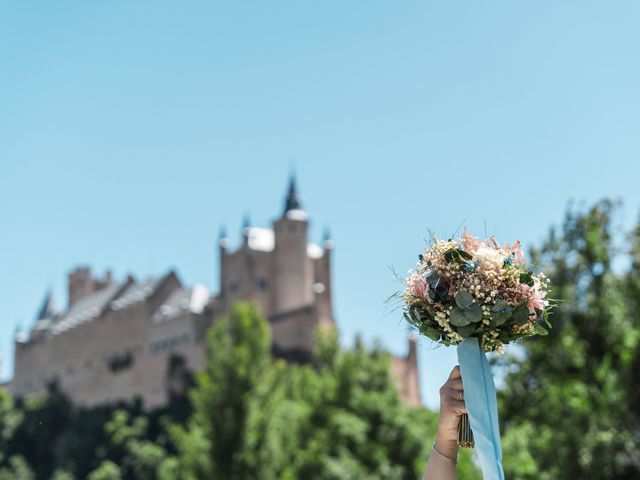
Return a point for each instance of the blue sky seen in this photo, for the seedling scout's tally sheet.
(130, 131)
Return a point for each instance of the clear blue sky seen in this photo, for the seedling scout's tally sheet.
(130, 131)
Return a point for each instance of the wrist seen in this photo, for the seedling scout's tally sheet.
(447, 446)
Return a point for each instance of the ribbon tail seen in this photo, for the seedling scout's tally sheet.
(482, 407)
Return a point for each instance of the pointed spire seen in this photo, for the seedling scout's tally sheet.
(19, 335)
(246, 226)
(222, 236)
(293, 201)
(48, 308)
(327, 241)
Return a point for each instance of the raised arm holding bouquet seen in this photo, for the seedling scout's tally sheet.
(478, 296)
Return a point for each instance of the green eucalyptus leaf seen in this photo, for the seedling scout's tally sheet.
(474, 313)
(430, 332)
(540, 330)
(458, 317)
(467, 330)
(463, 299)
(521, 314)
(507, 335)
(500, 318)
(527, 278)
(500, 306)
(456, 255)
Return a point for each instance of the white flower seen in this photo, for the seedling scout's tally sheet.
(489, 256)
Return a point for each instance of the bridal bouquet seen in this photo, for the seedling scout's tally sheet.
(466, 288)
(479, 296)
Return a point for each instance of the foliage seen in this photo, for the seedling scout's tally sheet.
(237, 358)
(106, 471)
(10, 418)
(36, 438)
(16, 468)
(137, 457)
(256, 417)
(568, 406)
(253, 416)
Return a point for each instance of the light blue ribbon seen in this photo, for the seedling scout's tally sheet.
(482, 407)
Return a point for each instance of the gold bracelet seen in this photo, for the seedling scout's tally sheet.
(452, 460)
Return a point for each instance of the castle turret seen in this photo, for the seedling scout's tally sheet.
(292, 272)
(323, 287)
(222, 253)
(81, 284)
(246, 229)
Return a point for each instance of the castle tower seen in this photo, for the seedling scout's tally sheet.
(292, 273)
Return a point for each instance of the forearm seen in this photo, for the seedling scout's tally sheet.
(441, 465)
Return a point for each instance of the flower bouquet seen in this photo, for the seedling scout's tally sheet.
(478, 295)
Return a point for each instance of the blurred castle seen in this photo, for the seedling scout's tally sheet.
(116, 341)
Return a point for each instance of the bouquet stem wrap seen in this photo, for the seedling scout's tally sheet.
(480, 399)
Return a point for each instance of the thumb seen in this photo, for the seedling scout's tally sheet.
(455, 373)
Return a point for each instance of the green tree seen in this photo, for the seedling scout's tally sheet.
(10, 418)
(568, 405)
(358, 426)
(252, 416)
(130, 447)
(238, 356)
(36, 437)
(107, 470)
(339, 418)
(17, 468)
(62, 475)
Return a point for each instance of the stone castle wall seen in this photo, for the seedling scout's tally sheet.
(116, 342)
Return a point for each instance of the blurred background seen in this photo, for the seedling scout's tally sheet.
(132, 133)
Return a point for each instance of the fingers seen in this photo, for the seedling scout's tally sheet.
(455, 385)
(455, 373)
(453, 394)
(458, 406)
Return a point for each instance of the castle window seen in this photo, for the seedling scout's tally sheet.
(169, 343)
(262, 284)
(120, 362)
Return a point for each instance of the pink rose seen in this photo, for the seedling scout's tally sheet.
(535, 298)
(469, 243)
(420, 287)
(515, 251)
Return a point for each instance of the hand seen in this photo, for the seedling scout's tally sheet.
(452, 407)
